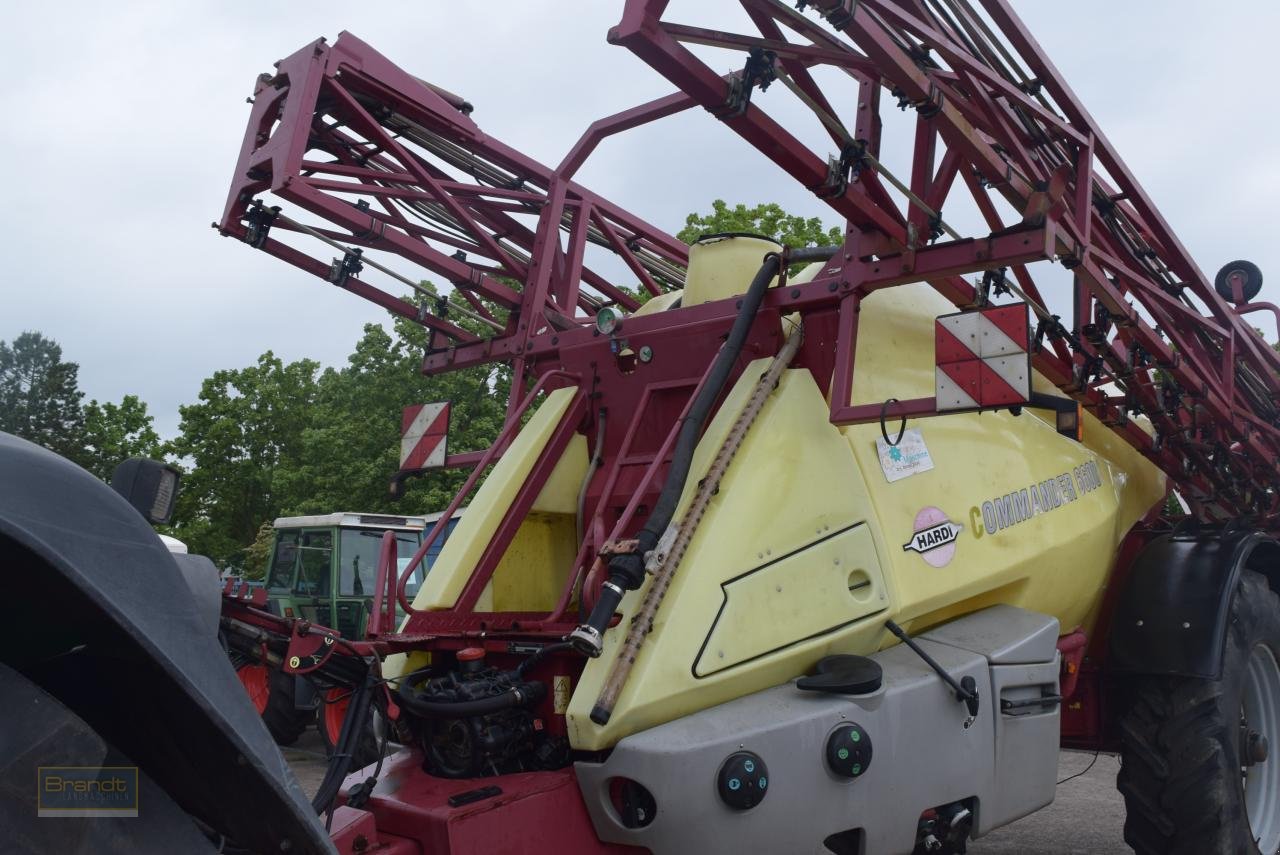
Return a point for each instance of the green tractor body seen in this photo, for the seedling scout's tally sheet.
(322, 567)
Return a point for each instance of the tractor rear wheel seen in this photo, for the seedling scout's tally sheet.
(272, 695)
(1195, 768)
(332, 712)
(256, 680)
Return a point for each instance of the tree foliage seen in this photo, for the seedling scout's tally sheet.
(40, 394)
(767, 220)
(278, 439)
(352, 446)
(257, 553)
(243, 435)
(114, 432)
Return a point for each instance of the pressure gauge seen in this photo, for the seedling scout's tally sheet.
(608, 321)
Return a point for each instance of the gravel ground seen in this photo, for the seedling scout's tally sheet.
(1087, 817)
(306, 759)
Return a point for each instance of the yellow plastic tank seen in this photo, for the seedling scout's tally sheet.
(819, 533)
(723, 265)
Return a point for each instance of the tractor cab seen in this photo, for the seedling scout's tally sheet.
(322, 568)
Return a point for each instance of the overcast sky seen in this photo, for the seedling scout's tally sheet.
(124, 121)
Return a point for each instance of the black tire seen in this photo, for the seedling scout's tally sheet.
(1252, 280)
(1180, 764)
(368, 745)
(285, 722)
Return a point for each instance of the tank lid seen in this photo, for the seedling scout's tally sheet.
(470, 654)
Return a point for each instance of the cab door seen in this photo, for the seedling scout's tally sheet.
(358, 553)
(313, 587)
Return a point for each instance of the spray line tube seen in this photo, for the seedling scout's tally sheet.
(627, 571)
(666, 558)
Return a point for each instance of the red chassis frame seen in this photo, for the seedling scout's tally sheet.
(391, 165)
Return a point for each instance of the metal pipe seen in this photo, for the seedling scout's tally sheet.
(417, 286)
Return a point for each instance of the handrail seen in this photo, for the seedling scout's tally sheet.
(382, 616)
(504, 438)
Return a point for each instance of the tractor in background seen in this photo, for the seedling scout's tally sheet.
(321, 570)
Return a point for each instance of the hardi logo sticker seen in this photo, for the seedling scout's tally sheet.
(934, 537)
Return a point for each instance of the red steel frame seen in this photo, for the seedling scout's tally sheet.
(992, 110)
(391, 165)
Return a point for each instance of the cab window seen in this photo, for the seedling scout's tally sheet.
(358, 559)
(315, 554)
(283, 560)
(404, 553)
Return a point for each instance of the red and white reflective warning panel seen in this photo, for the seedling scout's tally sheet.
(424, 436)
(982, 358)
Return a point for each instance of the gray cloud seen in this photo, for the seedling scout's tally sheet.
(124, 121)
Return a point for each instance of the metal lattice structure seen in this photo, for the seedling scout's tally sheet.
(393, 165)
(993, 113)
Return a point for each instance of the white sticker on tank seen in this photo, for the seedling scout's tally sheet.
(934, 536)
(909, 457)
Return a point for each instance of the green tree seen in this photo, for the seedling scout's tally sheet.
(113, 432)
(245, 431)
(40, 394)
(352, 445)
(257, 553)
(766, 219)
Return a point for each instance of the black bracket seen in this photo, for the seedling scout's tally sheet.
(344, 268)
(258, 221)
(758, 69)
(928, 106)
(935, 227)
(376, 227)
(1056, 330)
(993, 282)
(839, 16)
(1010, 707)
(843, 170)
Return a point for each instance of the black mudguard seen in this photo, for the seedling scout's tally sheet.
(101, 619)
(1172, 617)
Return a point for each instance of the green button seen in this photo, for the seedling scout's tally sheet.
(843, 753)
(857, 768)
(856, 736)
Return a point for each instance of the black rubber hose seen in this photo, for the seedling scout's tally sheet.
(539, 655)
(626, 571)
(344, 751)
(526, 694)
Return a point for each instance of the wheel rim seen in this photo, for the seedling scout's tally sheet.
(257, 683)
(1261, 713)
(336, 702)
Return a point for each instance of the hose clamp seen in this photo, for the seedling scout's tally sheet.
(587, 640)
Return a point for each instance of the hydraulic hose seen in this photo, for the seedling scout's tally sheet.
(542, 653)
(348, 737)
(525, 694)
(627, 570)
